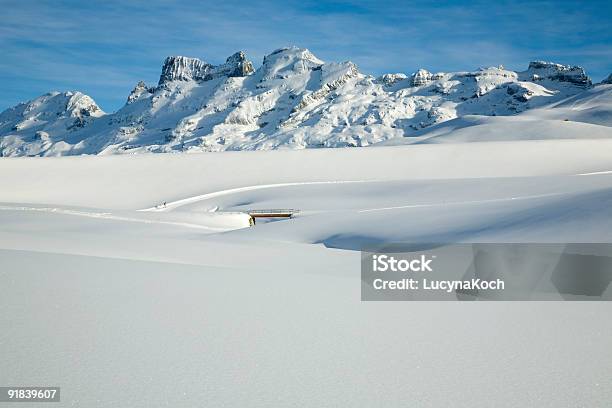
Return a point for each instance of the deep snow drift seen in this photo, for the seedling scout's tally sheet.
(293, 100)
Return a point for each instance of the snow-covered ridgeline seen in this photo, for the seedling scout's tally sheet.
(293, 100)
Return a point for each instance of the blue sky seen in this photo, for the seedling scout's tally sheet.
(104, 48)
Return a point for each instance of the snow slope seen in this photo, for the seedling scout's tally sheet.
(293, 100)
(587, 115)
(183, 306)
(141, 181)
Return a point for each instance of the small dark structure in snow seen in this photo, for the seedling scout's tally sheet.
(272, 213)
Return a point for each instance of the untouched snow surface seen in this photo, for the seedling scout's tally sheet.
(124, 304)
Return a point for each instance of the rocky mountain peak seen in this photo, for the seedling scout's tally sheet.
(285, 62)
(141, 89)
(236, 65)
(539, 70)
(390, 79)
(179, 68)
(421, 77)
(73, 110)
(292, 53)
(80, 105)
(608, 80)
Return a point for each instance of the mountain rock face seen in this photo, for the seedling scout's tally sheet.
(293, 100)
(183, 69)
(193, 69)
(139, 90)
(539, 70)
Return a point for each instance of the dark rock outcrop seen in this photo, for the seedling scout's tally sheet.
(141, 89)
(539, 70)
(180, 68)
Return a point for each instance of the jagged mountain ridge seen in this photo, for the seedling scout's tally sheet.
(293, 100)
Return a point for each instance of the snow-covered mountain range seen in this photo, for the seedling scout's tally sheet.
(293, 100)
